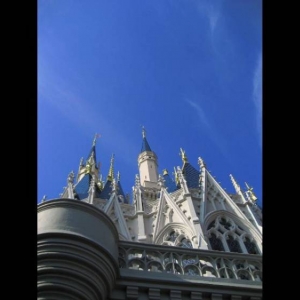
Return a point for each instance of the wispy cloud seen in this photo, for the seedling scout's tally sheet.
(212, 11)
(213, 15)
(209, 127)
(81, 112)
(257, 96)
(200, 113)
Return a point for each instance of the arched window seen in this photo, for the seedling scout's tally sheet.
(216, 243)
(251, 247)
(225, 235)
(225, 223)
(233, 245)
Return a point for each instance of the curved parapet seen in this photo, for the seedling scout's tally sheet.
(77, 251)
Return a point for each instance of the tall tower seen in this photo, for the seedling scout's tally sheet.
(181, 238)
(147, 163)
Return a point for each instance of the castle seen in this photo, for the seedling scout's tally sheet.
(185, 238)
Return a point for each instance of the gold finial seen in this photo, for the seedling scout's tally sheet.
(143, 132)
(111, 168)
(97, 135)
(165, 172)
(88, 167)
(100, 185)
(251, 193)
(183, 156)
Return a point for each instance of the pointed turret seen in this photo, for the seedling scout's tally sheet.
(113, 185)
(107, 190)
(86, 172)
(91, 167)
(92, 154)
(145, 144)
(147, 162)
(91, 162)
(110, 175)
(121, 195)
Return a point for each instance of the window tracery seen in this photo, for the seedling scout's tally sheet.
(177, 238)
(225, 235)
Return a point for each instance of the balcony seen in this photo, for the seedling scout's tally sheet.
(216, 266)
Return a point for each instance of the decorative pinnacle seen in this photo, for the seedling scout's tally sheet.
(161, 181)
(183, 156)
(114, 186)
(118, 176)
(111, 168)
(71, 177)
(165, 172)
(92, 183)
(251, 193)
(137, 180)
(176, 176)
(44, 198)
(235, 184)
(97, 135)
(201, 162)
(143, 132)
(81, 162)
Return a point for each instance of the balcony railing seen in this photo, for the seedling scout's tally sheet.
(190, 262)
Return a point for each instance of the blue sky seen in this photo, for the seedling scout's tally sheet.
(189, 71)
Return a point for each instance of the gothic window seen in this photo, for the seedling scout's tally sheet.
(233, 245)
(216, 244)
(231, 237)
(211, 225)
(251, 247)
(225, 223)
